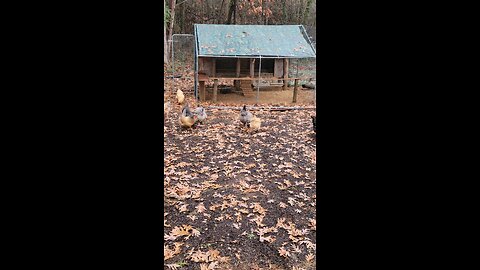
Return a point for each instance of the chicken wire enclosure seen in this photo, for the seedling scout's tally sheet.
(305, 68)
(182, 62)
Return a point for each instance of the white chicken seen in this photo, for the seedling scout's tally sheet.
(245, 116)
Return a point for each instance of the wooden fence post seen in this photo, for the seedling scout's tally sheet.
(237, 74)
(252, 70)
(202, 90)
(295, 91)
(215, 88)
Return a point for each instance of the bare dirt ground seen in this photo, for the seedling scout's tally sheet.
(304, 97)
(235, 200)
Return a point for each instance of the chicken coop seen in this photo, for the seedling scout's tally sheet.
(248, 55)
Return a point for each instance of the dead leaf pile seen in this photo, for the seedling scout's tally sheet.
(248, 197)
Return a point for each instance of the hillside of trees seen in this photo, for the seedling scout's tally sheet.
(181, 15)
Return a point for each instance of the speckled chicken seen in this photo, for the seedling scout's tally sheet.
(201, 114)
(245, 116)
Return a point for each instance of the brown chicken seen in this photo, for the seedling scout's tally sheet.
(187, 118)
(180, 96)
(255, 124)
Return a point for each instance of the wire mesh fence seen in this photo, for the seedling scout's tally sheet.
(180, 72)
(304, 68)
(183, 53)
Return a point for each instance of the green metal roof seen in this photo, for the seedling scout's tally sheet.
(286, 41)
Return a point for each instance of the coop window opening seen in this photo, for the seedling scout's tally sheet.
(227, 67)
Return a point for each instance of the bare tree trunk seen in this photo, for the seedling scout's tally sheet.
(170, 30)
(220, 12)
(172, 18)
(263, 13)
(300, 12)
(165, 43)
(182, 21)
(232, 12)
(235, 12)
(307, 11)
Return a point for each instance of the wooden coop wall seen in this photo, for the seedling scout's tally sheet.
(205, 66)
(227, 67)
(278, 68)
(243, 71)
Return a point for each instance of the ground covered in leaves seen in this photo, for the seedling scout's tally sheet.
(235, 200)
